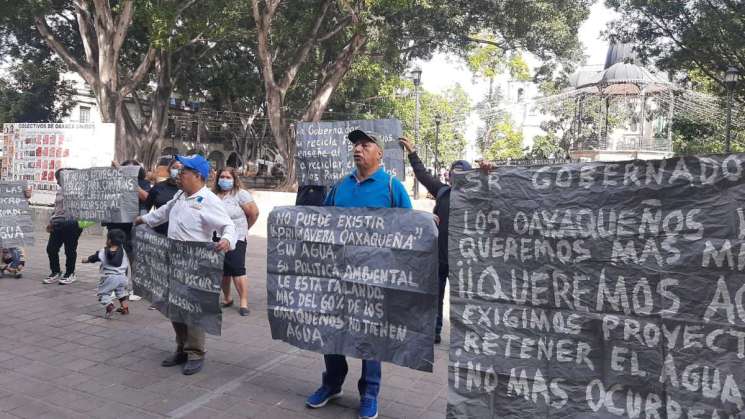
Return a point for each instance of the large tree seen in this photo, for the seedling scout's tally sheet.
(324, 38)
(127, 53)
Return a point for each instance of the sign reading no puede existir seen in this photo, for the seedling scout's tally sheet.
(355, 281)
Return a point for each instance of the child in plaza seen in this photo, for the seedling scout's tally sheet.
(12, 261)
(114, 266)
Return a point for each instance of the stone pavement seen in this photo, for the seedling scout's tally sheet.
(59, 358)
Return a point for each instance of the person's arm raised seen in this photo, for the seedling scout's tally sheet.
(431, 183)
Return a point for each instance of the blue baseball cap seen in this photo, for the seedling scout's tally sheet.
(197, 163)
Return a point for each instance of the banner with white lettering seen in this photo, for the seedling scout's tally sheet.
(353, 281)
(324, 153)
(105, 194)
(16, 225)
(596, 290)
(182, 279)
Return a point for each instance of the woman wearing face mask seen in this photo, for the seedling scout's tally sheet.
(163, 192)
(243, 211)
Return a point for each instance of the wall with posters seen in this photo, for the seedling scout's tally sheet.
(34, 151)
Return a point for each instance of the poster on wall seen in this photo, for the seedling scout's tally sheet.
(33, 152)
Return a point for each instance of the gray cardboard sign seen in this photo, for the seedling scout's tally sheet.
(104, 194)
(598, 290)
(352, 281)
(181, 278)
(324, 156)
(16, 225)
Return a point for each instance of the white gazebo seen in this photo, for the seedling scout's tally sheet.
(631, 107)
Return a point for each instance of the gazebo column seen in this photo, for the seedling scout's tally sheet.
(670, 116)
(643, 119)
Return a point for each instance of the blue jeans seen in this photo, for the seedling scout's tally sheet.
(336, 371)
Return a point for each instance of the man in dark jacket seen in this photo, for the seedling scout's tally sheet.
(441, 192)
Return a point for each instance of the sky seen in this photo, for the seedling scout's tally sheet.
(443, 71)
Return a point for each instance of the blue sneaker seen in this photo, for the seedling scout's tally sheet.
(368, 408)
(322, 396)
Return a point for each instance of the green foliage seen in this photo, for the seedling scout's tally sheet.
(33, 92)
(546, 147)
(453, 105)
(685, 35)
(696, 41)
(507, 142)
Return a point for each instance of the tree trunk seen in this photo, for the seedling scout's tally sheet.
(334, 75)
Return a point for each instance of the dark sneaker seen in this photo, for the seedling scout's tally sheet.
(244, 311)
(52, 278)
(123, 310)
(322, 396)
(438, 338)
(368, 408)
(175, 359)
(109, 310)
(193, 366)
(67, 279)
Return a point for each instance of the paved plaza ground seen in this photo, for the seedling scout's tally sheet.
(59, 358)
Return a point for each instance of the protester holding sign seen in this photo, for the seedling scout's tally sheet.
(243, 211)
(441, 192)
(193, 215)
(367, 186)
(143, 189)
(62, 231)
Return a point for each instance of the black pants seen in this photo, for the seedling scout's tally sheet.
(67, 234)
(442, 277)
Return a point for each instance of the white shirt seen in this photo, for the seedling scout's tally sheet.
(194, 218)
(233, 202)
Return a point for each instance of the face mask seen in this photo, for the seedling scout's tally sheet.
(225, 184)
(174, 173)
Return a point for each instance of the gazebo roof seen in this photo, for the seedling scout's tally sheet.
(620, 75)
(619, 53)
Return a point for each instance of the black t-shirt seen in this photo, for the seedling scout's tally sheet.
(159, 195)
(311, 195)
(146, 186)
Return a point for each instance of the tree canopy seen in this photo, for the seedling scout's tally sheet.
(696, 42)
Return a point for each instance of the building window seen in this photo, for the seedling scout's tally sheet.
(85, 114)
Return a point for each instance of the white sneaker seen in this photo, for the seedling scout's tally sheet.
(52, 278)
(133, 297)
(67, 279)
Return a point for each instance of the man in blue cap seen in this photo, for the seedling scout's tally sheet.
(368, 186)
(192, 215)
(441, 192)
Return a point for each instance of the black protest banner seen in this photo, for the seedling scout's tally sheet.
(105, 194)
(182, 279)
(355, 282)
(16, 225)
(324, 153)
(599, 290)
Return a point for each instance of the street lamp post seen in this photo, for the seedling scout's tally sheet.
(417, 79)
(438, 119)
(730, 80)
